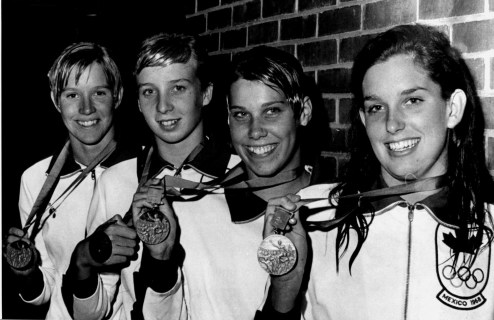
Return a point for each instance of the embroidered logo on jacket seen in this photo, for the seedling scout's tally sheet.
(464, 277)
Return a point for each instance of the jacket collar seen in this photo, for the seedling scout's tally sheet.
(212, 160)
(124, 151)
(437, 202)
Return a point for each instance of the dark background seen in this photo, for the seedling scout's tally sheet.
(34, 32)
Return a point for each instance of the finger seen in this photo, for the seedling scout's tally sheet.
(292, 221)
(118, 241)
(123, 251)
(115, 231)
(16, 232)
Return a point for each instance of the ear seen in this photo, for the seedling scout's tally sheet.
(306, 112)
(207, 94)
(455, 108)
(362, 116)
(139, 105)
(54, 101)
(118, 98)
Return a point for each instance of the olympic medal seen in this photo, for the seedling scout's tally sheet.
(277, 255)
(152, 226)
(19, 254)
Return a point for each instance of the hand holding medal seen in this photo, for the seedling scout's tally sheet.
(152, 226)
(19, 250)
(285, 242)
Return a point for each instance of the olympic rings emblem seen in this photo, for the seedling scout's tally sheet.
(463, 275)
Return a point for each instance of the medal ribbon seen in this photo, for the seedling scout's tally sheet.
(35, 215)
(427, 184)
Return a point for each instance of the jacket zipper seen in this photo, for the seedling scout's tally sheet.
(411, 208)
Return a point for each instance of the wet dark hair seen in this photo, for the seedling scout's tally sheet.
(470, 184)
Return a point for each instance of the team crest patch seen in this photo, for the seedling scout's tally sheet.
(465, 279)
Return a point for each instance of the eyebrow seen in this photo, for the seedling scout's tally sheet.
(372, 97)
(264, 105)
(170, 81)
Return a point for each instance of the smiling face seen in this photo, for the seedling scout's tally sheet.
(171, 100)
(87, 107)
(407, 119)
(263, 128)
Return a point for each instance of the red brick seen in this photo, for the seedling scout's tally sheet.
(339, 20)
(220, 18)
(275, 7)
(206, 4)
(234, 39)
(490, 153)
(449, 8)
(213, 41)
(247, 12)
(311, 76)
(263, 33)
(288, 48)
(350, 47)
(330, 107)
(311, 4)
(299, 27)
(339, 140)
(474, 36)
(317, 53)
(344, 110)
(197, 24)
(334, 80)
(389, 12)
(488, 108)
(189, 6)
(477, 68)
(492, 73)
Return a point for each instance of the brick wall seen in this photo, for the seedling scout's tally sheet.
(326, 34)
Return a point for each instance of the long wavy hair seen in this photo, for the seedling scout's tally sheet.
(469, 182)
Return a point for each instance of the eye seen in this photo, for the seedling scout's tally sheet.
(239, 115)
(147, 92)
(71, 95)
(374, 108)
(413, 101)
(178, 88)
(101, 93)
(273, 111)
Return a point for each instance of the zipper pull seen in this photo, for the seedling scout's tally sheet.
(411, 207)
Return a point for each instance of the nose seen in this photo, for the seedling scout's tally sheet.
(86, 107)
(256, 129)
(165, 104)
(394, 121)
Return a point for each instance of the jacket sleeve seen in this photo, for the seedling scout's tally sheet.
(104, 300)
(167, 305)
(27, 196)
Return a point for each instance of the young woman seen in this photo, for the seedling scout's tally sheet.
(268, 111)
(86, 89)
(422, 251)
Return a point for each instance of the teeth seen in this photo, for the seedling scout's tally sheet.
(403, 145)
(262, 149)
(87, 123)
(168, 122)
